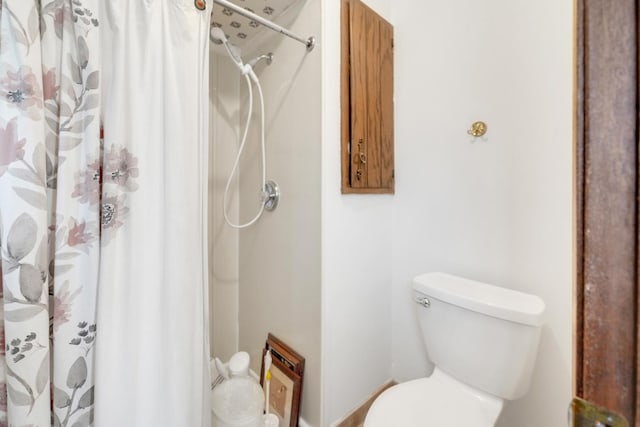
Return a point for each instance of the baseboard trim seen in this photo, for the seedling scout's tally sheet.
(357, 416)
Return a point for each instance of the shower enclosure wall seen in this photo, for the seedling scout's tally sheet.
(266, 278)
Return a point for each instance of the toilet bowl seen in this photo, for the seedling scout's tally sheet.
(435, 401)
(483, 341)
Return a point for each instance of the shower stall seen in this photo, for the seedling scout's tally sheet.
(266, 277)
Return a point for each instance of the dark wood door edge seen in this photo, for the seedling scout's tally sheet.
(606, 183)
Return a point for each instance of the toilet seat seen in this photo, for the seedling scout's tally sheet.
(436, 401)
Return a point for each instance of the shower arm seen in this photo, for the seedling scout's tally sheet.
(309, 43)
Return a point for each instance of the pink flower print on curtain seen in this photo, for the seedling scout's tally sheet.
(119, 178)
(49, 87)
(121, 167)
(88, 187)
(79, 234)
(22, 88)
(63, 305)
(12, 146)
(114, 211)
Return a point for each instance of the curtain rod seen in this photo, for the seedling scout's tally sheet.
(309, 43)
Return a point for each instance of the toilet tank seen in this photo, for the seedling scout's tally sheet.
(483, 335)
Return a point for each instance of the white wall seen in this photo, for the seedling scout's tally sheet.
(223, 240)
(280, 255)
(356, 257)
(497, 210)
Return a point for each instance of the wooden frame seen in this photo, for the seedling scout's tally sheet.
(607, 333)
(287, 372)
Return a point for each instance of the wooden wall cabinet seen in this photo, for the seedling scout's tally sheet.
(367, 101)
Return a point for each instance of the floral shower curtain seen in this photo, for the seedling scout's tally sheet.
(103, 139)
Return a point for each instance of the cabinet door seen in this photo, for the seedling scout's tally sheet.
(368, 160)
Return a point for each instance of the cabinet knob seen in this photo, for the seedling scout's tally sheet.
(360, 158)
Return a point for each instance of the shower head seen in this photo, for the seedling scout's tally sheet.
(218, 36)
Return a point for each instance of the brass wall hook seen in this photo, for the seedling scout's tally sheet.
(478, 129)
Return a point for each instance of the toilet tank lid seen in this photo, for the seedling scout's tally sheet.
(483, 298)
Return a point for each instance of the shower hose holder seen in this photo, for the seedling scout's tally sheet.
(271, 196)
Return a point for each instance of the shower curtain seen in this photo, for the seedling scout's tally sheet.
(103, 149)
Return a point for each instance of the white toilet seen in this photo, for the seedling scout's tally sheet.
(483, 341)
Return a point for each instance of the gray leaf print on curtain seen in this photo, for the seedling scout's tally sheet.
(49, 109)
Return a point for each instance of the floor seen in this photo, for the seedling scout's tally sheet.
(356, 418)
